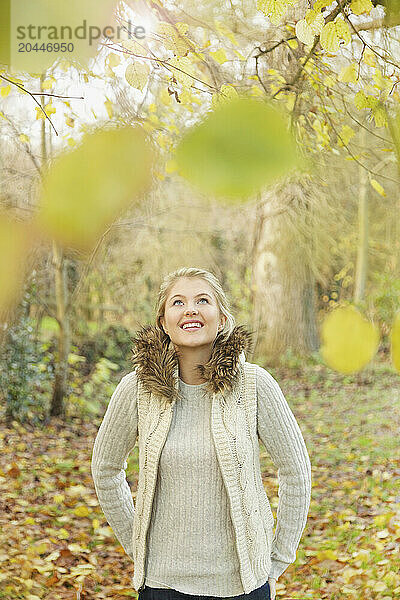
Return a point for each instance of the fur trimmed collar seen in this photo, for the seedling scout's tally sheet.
(156, 361)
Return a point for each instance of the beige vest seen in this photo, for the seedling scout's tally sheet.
(234, 433)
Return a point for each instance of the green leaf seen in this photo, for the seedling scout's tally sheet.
(242, 146)
(87, 187)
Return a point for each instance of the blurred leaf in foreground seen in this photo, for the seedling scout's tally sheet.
(349, 340)
(242, 146)
(395, 342)
(15, 240)
(86, 188)
(392, 12)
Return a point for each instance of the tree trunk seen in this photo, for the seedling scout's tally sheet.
(284, 290)
(64, 334)
(57, 407)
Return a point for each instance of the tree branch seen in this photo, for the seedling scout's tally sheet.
(33, 94)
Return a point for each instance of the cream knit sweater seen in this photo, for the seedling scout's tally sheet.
(191, 541)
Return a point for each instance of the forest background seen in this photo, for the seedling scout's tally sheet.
(108, 183)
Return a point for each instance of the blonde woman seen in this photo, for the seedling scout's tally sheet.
(201, 526)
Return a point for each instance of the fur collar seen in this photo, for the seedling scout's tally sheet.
(156, 361)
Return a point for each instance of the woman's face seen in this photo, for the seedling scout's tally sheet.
(193, 300)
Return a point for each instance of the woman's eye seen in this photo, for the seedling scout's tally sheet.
(181, 300)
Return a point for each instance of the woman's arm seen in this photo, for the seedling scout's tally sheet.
(283, 440)
(115, 439)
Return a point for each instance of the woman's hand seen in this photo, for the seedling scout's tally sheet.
(272, 584)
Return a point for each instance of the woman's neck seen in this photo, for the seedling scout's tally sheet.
(188, 358)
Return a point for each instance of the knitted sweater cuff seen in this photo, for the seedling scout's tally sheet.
(277, 568)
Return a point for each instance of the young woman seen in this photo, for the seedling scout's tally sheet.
(202, 525)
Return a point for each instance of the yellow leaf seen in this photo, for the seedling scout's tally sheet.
(349, 74)
(304, 32)
(343, 31)
(369, 58)
(379, 114)
(257, 91)
(360, 100)
(109, 108)
(327, 554)
(29, 521)
(81, 511)
(113, 60)
(175, 38)
(291, 99)
(63, 534)
(165, 97)
(395, 342)
(274, 9)
(183, 71)
(377, 187)
(292, 44)
(329, 38)
(136, 74)
(49, 109)
(225, 94)
(47, 84)
(332, 33)
(24, 138)
(359, 7)
(321, 4)
(240, 55)
(346, 134)
(5, 90)
(39, 548)
(349, 340)
(225, 32)
(219, 56)
(315, 20)
(379, 586)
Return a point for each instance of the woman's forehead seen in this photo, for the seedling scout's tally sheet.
(194, 286)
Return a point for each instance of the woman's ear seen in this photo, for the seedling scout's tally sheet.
(222, 322)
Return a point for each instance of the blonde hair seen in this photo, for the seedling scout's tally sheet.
(222, 300)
